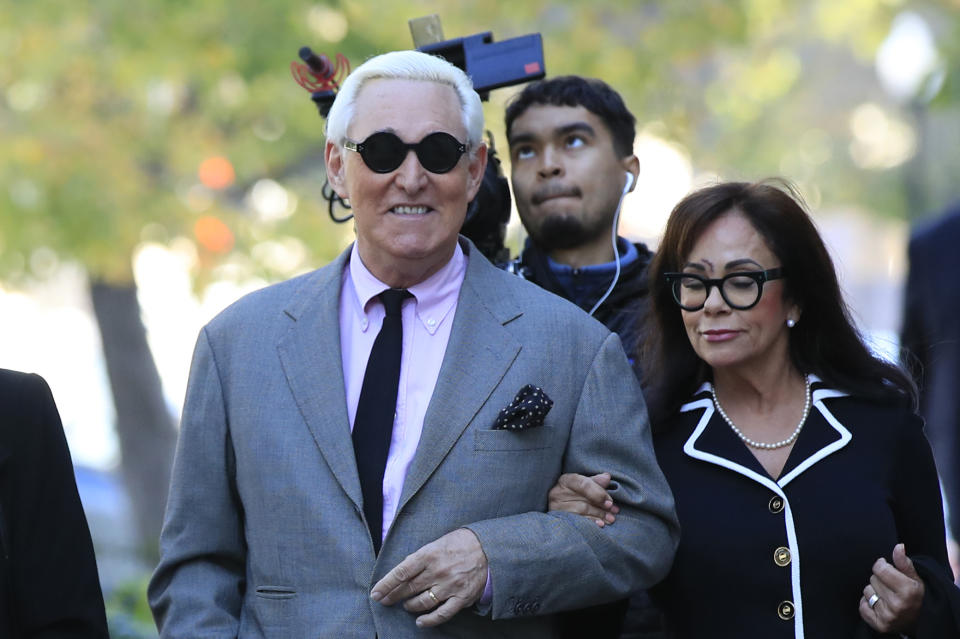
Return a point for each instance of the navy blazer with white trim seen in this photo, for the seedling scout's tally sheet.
(860, 479)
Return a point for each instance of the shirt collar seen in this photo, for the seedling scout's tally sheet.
(435, 296)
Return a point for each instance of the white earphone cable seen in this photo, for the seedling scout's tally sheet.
(613, 240)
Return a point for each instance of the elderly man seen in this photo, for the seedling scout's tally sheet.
(366, 450)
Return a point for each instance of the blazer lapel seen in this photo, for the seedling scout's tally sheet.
(311, 360)
(478, 355)
(818, 441)
(716, 444)
(713, 442)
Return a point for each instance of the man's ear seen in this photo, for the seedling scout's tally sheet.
(631, 164)
(475, 169)
(336, 171)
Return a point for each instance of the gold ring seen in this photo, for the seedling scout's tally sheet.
(436, 601)
(872, 601)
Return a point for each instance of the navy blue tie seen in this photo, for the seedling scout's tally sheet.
(373, 424)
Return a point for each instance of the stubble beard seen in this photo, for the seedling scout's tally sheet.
(564, 232)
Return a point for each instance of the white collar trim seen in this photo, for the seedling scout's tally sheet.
(817, 398)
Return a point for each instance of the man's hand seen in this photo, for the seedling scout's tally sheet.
(444, 576)
(585, 496)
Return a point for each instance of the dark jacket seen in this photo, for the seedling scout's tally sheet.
(624, 312)
(759, 556)
(931, 335)
(49, 586)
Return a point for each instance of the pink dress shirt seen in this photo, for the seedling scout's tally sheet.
(427, 319)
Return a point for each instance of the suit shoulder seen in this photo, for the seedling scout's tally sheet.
(941, 233)
(30, 413)
(9, 377)
(19, 389)
(533, 294)
(265, 302)
(542, 305)
(14, 380)
(890, 419)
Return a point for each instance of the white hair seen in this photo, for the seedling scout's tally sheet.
(406, 65)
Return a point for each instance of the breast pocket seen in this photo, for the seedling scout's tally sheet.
(493, 441)
(275, 592)
(517, 468)
(274, 612)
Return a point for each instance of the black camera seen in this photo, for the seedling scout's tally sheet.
(490, 65)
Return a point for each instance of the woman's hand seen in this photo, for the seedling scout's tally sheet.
(585, 496)
(899, 595)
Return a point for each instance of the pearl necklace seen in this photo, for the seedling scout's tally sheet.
(763, 445)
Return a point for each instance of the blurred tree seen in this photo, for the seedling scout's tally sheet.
(753, 88)
(133, 121)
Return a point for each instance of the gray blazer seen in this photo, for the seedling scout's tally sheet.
(264, 533)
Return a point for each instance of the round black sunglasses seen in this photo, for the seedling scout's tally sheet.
(384, 152)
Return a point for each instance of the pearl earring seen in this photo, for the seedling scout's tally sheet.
(791, 323)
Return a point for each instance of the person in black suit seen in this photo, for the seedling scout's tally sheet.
(802, 477)
(931, 340)
(49, 587)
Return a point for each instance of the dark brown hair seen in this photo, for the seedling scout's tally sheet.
(825, 341)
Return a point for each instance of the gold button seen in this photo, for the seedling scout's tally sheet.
(776, 504)
(781, 556)
(785, 610)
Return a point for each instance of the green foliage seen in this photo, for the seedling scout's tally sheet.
(112, 106)
(108, 107)
(128, 614)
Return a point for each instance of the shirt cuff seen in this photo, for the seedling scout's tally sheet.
(483, 605)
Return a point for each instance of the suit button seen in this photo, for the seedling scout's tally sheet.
(785, 610)
(776, 504)
(781, 556)
(535, 607)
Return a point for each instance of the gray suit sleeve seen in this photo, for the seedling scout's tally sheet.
(198, 586)
(542, 563)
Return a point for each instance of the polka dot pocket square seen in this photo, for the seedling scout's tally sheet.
(527, 410)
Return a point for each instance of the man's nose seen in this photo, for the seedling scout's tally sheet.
(411, 176)
(550, 163)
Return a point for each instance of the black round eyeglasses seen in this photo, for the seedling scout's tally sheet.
(741, 290)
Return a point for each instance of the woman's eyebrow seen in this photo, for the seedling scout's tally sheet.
(741, 262)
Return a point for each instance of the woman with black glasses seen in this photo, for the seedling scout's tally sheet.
(806, 491)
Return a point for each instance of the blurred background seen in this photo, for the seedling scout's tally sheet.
(157, 161)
